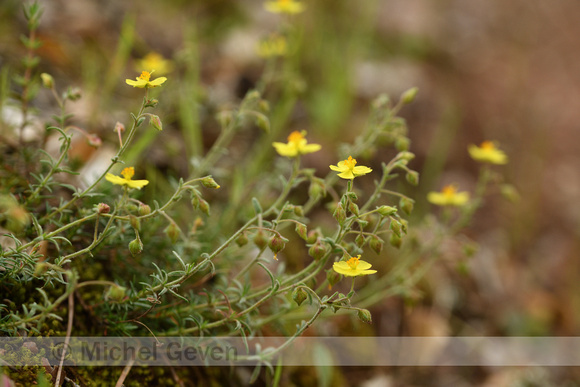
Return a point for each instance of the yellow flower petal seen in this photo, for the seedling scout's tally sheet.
(297, 145)
(156, 62)
(138, 83)
(137, 183)
(114, 179)
(143, 81)
(346, 175)
(284, 6)
(126, 179)
(158, 81)
(353, 267)
(359, 171)
(349, 170)
(487, 153)
(448, 197)
(311, 148)
(286, 150)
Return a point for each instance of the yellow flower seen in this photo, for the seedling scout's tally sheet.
(284, 6)
(448, 197)
(274, 46)
(144, 82)
(297, 145)
(348, 170)
(353, 267)
(156, 62)
(487, 153)
(126, 179)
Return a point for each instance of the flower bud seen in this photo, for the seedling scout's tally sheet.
(381, 101)
(242, 239)
(387, 210)
(406, 205)
(73, 94)
(253, 95)
(299, 295)
(195, 201)
(135, 222)
(317, 250)
(395, 241)
(94, 140)
(312, 236)
(406, 156)
(353, 208)
(155, 121)
(103, 208)
(224, 118)
(332, 277)
(151, 102)
(264, 106)
(260, 240)
(339, 214)
(172, 231)
(404, 225)
(301, 230)
(131, 207)
(298, 211)
(412, 178)
(262, 122)
(365, 316)
(352, 196)
(402, 143)
(409, 96)
(144, 209)
(395, 227)
(116, 293)
(376, 244)
(47, 80)
(204, 206)
(136, 247)
(119, 127)
(197, 223)
(277, 244)
(209, 182)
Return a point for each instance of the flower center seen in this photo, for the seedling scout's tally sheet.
(145, 75)
(295, 137)
(128, 173)
(449, 190)
(487, 145)
(350, 163)
(353, 262)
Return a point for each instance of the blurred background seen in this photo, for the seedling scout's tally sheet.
(507, 71)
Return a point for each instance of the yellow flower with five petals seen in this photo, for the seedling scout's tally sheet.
(128, 174)
(156, 62)
(448, 197)
(143, 80)
(487, 152)
(297, 145)
(284, 6)
(349, 170)
(353, 267)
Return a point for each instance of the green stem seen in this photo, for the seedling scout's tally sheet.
(114, 161)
